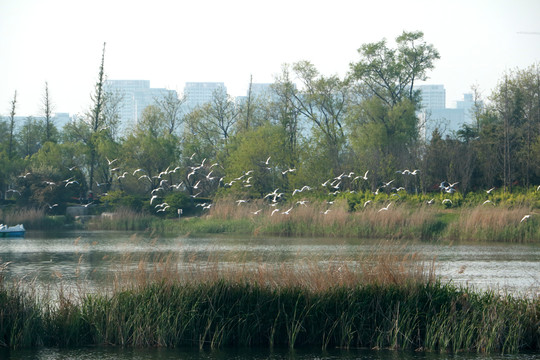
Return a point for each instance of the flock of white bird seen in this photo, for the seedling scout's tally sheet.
(333, 185)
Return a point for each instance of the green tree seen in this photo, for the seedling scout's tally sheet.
(30, 135)
(323, 102)
(150, 147)
(96, 120)
(249, 153)
(50, 132)
(11, 132)
(390, 74)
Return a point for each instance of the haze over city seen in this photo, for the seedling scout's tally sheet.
(173, 42)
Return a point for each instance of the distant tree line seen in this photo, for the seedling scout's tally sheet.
(308, 129)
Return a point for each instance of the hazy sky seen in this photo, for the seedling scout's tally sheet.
(170, 42)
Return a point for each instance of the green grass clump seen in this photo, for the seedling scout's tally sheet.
(225, 313)
(389, 301)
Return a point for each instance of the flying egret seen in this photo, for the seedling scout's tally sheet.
(287, 212)
(490, 190)
(447, 201)
(274, 211)
(385, 208)
(366, 203)
(274, 193)
(365, 175)
(488, 202)
(525, 218)
(71, 182)
(111, 161)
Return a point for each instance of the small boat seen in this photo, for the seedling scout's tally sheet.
(12, 231)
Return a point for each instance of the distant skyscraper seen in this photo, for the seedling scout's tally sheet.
(433, 96)
(434, 113)
(199, 93)
(136, 95)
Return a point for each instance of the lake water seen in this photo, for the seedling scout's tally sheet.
(90, 258)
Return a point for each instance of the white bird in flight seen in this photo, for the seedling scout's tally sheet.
(287, 212)
(526, 217)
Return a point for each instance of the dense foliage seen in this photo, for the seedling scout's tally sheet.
(361, 129)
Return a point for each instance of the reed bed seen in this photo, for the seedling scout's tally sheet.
(383, 300)
(123, 219)
(400, 221)
(330, 220)
(31, 218)
(488, 223)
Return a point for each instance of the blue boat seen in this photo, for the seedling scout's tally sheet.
(12, 231)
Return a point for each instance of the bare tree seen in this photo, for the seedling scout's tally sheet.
(171, 107)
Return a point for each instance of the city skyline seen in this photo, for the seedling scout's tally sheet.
(174, 42)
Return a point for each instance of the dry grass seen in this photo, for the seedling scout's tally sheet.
(489, 217)
(22, 216)
(382, 266)
(122, 219)
(325, 219)
(487, 223)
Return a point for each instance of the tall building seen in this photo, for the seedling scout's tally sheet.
(135, 96)
(199, 93)
(433, 96)
(435, 114)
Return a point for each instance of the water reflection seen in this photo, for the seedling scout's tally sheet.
(90, 258)
(240, 354)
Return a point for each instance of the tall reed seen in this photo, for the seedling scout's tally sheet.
(31, 218)
(123, 219)
(488, 223)
(384, 300)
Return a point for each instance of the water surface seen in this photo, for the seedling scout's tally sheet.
(91, 257)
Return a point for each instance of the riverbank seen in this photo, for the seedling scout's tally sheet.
(485, 223)
(387, 301)
(400, 221)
